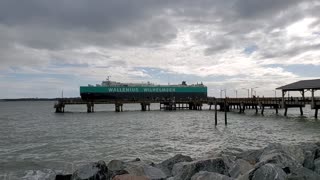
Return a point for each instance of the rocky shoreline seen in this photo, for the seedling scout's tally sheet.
(274, 162)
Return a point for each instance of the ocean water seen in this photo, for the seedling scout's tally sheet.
(36, 143)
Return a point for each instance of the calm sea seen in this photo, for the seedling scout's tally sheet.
(35, 142)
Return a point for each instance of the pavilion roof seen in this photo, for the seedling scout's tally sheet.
(301, 85)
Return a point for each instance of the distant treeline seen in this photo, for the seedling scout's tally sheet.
(37, 99)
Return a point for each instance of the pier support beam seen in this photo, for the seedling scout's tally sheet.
(225, 113)
(312, 99)
(90, 107)
(316, 113)
(262, 109)
(282, 99)
(242, 107)
(145, 106)
(285, 111)
(59, 107)
(118, 107)
(215, 114)
(301, 111)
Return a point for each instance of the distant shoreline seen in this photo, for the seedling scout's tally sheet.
(36, 99)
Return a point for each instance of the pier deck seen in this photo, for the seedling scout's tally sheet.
(225, 104)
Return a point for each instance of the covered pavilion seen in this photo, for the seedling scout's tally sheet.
(302, 87)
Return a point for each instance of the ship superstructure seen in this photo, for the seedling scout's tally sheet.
(137, 91)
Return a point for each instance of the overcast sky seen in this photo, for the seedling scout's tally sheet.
(47, 46)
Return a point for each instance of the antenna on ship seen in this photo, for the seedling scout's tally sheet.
(108, 78)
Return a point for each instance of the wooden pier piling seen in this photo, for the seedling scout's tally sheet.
(118, 107)
(215, 114)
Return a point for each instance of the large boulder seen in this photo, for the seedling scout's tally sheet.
(317, 166)
(282, 156)
(309, 160)
(116, 165)
(310, 150)
(269, 172)
(185, 170)
(294, 151)
(130, 177)
(317, 154)
(228, 160)
(143, 168)
(167, 165)
(239, 168)
(280, 159)
(92, 171)
(247, 175)
(205, 175)
(154, 172)
(303, 174)
(252, 156)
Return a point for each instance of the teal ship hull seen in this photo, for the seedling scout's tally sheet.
(143, 92)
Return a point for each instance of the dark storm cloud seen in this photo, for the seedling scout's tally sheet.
(46, 24)
(262, 8)
(90, 14)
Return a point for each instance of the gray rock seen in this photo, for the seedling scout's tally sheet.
(185, 170)
(143, 168)
(116, 165)
(294, 151)
(310, 150)
(317, 154)
(309, 147)
(136, 167)
(92, 171)
(154, 173)
(309, 160)
(118, 172)
(252, 156)
(317, 166)
(167, 165)
(246, 176)
(275, 154)
(205, 175)
(303, 174)
(282, 160)
(239, 168)
(228, 160)
(269, 172)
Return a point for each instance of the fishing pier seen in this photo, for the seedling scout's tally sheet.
(219, 104)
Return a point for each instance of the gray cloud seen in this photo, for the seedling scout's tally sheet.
(36, 30)
(45, 24)
(286, 53)
(73, 14)
(261, 8)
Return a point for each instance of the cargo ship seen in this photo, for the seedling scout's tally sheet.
(145, 91)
